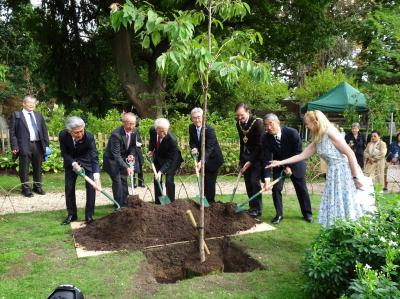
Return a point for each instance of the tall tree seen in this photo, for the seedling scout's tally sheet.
(136, 51)
(379, 59)
(74, 37)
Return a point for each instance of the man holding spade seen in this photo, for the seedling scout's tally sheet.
(213, 153)
(78, 149)
(164, 152)
(250, 131)
(121, 149)
(279, 144)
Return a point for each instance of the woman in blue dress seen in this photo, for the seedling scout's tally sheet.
(343, 176)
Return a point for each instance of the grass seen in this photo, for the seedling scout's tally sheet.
(54, 182)
(37, 254)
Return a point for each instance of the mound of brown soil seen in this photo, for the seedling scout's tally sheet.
(145, 224)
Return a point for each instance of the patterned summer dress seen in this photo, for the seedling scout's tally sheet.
(339, 196)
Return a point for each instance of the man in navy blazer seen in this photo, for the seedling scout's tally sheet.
(279, 144)
(29, 139)
(163, 149)
(78, 149)
(213, 153)
(121, 147)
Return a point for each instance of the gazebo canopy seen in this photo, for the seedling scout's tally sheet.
(338, 99)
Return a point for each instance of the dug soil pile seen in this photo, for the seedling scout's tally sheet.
(145, 224)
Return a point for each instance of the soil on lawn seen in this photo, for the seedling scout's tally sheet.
(145, 224)
(173, 263)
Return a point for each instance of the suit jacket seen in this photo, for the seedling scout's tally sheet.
(251, 150)
(167, 158)
(117, 150)
(139, 153)
(20, 137)
(290, 146)
(84, 151)
(359, 143)
(213, 154)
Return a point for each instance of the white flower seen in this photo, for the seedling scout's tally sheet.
(367, 266)
(114, 7)
(392, 243)
(382, 239)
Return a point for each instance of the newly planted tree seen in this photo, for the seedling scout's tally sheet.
(200, 57)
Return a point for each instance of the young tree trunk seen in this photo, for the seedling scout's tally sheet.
(148, 98)
(203, 139)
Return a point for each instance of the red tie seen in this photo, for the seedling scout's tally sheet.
(158, 141)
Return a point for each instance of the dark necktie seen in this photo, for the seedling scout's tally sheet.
(34, 126)
(198, 133)
(278, 141)
(158, 142)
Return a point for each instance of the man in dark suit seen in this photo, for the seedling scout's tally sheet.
(356, 141)
(163, 149)
(78, 148)
(278, 144)
(250, 131)
(213, 153)
(121, 147)
(29, 139)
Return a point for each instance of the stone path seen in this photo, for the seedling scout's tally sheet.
(56, 201)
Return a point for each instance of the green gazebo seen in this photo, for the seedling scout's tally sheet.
(338, 99)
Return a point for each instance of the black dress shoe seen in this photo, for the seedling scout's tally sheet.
(69, 219)
(27, 193)
(309, 219)
(39, 191)
(277, 219)
(254, 213)
(89, 220)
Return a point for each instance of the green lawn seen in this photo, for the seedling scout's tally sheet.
(37, 254)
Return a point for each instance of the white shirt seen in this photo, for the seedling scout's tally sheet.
(28, 121)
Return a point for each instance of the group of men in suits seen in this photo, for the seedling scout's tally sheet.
(259, 146)
(260, 142)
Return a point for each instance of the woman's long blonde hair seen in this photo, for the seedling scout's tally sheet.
(321, 125)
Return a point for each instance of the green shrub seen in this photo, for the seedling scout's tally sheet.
(7, 161)
(330, 265)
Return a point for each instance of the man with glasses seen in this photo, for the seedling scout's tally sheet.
(78, 148)
(121, 147)
(29, 139)
(213, 153)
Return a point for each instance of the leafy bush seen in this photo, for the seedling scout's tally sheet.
(373, 284)
(332, 265)
(7, 162)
